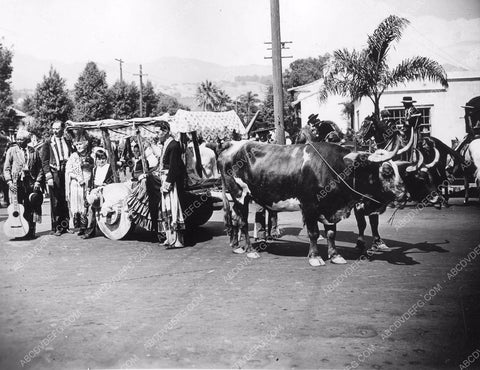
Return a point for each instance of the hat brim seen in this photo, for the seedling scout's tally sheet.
(36, 198)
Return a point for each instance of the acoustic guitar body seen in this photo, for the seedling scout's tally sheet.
(15, 226)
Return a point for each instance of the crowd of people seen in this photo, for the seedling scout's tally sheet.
(69, 167)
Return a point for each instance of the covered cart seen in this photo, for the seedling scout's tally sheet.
(114, 220)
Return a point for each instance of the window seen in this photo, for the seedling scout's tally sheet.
(424, 123)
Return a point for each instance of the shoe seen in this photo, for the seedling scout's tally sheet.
(81, 232)
(379, 245)
(239, 250)
(58, 233)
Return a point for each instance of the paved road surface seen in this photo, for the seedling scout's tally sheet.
(70, 303)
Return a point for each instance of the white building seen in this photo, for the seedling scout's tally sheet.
(442, 115)
(307, 102)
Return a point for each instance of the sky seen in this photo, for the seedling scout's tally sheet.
(233, 32)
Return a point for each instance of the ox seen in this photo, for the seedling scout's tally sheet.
(322, 180)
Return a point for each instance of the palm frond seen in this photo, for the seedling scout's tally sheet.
(389, 30)
(418, 68)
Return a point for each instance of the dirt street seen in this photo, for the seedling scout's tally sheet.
(68, 303)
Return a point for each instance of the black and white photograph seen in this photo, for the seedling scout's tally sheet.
(239, 184)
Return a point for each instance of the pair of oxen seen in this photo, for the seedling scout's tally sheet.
(323, 180)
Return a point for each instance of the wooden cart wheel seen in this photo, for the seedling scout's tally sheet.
(198, 209)
(116, 225)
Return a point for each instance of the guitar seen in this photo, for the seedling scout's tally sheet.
(15, 226)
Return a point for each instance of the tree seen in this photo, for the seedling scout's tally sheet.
(92, 100)
(51, 101)
(28, 105)
(224, 102)
(365, 73)
(207, 96)
(125, 98)
(304, 71)
(248, 105)
(6, 100)
(267, 114)
(150, 100)
(168, 104)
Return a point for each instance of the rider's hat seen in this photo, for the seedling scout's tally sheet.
(312, 118)
(408, 99)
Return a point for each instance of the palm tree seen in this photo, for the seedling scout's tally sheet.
(207, 96)
(249, 100)
(365, 73)
(224, 102)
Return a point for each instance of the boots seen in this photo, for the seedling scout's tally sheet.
(31, 232)
(83, 224)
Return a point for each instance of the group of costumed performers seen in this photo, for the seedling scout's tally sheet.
(155, 203)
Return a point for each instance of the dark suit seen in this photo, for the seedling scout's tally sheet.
(173, 162)
(54, 159)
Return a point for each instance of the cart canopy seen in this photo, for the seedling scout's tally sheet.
(209, 124)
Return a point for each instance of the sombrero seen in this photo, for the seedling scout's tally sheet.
(36, 198)
(408, 99)
(312, 117)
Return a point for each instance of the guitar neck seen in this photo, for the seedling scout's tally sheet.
(15, 201)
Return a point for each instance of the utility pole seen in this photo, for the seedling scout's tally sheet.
(277, 72)
(141, 90)
(121, 62)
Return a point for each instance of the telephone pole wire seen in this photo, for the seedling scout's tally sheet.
(141, 90)
(121, 74)
(277, 72)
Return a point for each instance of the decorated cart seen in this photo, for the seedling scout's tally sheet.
(201, 198)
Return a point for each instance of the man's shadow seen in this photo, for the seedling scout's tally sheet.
(192, 236)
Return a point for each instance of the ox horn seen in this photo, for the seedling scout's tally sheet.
(417, 165)
(382, 155)
(409, 144)
(435, 160)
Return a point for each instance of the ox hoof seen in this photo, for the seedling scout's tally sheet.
(253, 254)
(316, 261)
(338, 260)
(239, 250)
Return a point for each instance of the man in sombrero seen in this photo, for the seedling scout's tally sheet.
(24, 175)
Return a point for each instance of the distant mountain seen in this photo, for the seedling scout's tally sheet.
(29, 71)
